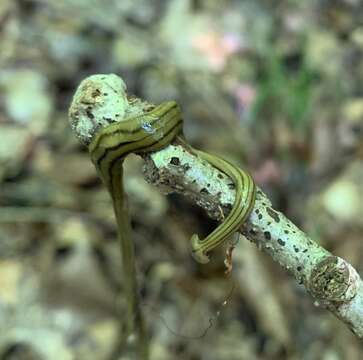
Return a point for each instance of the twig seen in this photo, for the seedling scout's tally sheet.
(332, 281)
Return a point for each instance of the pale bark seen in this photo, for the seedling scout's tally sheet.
(332, 282)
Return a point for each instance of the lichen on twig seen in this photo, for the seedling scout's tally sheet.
(333, 282)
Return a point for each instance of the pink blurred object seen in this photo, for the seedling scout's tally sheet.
(217, 48)
(268, 173)
(245, 95)
(231, 43)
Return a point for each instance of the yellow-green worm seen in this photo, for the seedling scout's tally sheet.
(153, 131)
